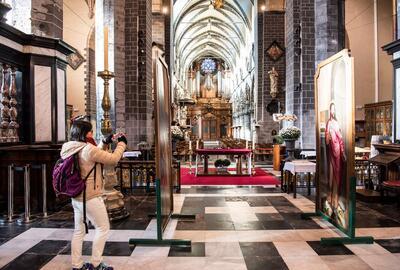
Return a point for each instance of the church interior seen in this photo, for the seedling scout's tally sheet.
(199, 134)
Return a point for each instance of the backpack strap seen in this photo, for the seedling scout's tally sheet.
(84, 198)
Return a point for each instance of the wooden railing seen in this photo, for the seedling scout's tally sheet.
(138, 174)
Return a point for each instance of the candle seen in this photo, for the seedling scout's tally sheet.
(190, 145)
(253, 144)
(105, 48)
(247, 144)
(197, 144)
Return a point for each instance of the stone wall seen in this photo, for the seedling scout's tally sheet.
(307, 71)
(119, 58)
(90, 77)
(138, 71)
(292, 27)
(271, 27)
(47, 18)
(314, 31)
(329, 28)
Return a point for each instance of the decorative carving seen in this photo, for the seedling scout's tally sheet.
(13, 127)
(75, 60)
(278, 117)
(273, 77)
(5, 109)
(275, 51)
(91, 5)
(217, 3)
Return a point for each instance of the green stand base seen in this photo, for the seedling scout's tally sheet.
(309, 215)
(164, 242)
(176, 216)
(183, 216)
(335, 241)
(160, 242)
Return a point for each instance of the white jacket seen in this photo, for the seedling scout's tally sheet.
(88, 156)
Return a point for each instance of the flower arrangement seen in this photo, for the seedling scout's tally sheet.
(222, 163)
(290, 133)
(176, 133)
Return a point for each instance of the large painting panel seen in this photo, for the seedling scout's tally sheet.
(335, 138)
(163, 141)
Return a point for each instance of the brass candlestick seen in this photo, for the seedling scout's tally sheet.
(106, 127)
(112, 198)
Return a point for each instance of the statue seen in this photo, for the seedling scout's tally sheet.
(273, 77)
(183, 114)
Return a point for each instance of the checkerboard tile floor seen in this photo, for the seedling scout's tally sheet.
(235, 228)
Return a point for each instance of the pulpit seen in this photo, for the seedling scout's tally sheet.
(33, 116)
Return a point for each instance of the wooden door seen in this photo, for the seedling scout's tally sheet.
(209, 129)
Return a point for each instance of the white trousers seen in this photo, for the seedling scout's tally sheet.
(96, 212)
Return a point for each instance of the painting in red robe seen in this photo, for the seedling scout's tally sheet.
(336, 156)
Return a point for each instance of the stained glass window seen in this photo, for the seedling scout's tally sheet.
(208, 65)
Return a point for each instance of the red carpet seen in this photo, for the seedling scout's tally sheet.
(260, 178)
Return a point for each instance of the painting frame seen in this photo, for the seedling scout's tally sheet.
(335, 200)
(163, 149)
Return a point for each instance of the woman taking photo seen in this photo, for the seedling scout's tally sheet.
(91, 159)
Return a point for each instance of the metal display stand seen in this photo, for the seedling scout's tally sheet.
(351, 234)
(160, 241)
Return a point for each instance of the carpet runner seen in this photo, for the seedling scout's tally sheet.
(260, 178)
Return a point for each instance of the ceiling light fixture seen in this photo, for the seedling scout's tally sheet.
(217, 3)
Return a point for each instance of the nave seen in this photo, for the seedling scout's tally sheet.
(241, 227)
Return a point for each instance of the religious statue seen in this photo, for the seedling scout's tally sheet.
(183, 116)
(273, 77)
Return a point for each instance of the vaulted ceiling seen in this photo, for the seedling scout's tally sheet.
(203, 30)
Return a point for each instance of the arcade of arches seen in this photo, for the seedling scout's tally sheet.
(238, 73)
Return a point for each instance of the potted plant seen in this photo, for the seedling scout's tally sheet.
(277, 139)
(222, 165)
(290, 135)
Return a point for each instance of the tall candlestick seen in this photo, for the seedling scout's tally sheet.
(105, 47)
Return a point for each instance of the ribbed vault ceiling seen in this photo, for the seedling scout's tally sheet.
(201, 30)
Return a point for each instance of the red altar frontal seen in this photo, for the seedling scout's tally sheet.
(238, 153)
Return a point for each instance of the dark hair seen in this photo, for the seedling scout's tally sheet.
(79, 130)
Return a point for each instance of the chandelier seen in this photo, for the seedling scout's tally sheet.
(217, 3)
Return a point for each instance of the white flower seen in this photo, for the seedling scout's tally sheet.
(290, 133)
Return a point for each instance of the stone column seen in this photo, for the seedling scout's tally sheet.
(119, 67)
(293, 43)
(272, 28)
(138, 71)
(300, 67)
(47, 18)
(329, 28)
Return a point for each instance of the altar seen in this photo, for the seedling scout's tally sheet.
(239, 153)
